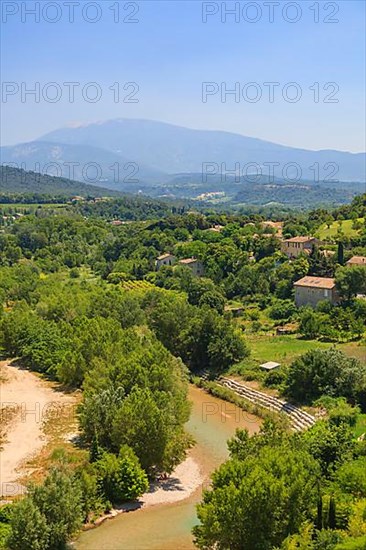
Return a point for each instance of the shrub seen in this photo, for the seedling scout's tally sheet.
(121, 478)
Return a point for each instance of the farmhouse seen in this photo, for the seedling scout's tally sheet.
(194, 265)
(165, 259)
(298, 245)
(357, 260)
(311, 290)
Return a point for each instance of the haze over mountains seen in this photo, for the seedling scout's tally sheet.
(174, 149)
(162, 158)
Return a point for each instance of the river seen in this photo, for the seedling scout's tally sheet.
(168, 526)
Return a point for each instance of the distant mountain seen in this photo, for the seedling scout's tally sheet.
(15, 180)
(163, 160)
(89, 164)
(174, 149)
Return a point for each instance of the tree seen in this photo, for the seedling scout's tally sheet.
(137, 396)
(148, 425)
(310, 322)
(257, 502)
(330, 445)
(29, 528)
(59, 501)
(211, 342)
(121, 478)
(282, 310)
(350, 281)
(351, 477)
(214, 300)
(168, 316)
(327, 372)
(340, 253)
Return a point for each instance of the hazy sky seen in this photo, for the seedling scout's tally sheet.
(169, 53)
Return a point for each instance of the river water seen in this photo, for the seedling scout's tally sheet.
(168, 526)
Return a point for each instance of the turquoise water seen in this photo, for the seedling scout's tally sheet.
(168, 526)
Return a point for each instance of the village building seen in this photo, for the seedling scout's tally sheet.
(309, 291)
(165, 259)
(194, 265)
(298, 245)
(357, 260)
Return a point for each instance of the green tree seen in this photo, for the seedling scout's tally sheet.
(351, 280)
(340, 253)
(330, 445)
(29, 528)
(256, 503)
(121, 477)
(351, 477)
(59, 500)
(326, 372)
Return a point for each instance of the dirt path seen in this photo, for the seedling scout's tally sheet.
(25, 403)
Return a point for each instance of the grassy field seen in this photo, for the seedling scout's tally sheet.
(345, 226)
(284, 349)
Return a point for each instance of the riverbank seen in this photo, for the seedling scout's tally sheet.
(180, 485)
(164, 523)
(257, 402)
(27, 404)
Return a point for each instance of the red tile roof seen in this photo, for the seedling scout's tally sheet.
(299, 239)
(357, 260)
(188, 261)
(164, 256)
(316, 282)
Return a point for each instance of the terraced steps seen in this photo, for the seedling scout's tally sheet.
(299, 419)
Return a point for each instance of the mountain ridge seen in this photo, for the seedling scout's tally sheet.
(175, 149)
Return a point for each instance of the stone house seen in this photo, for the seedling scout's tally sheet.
(311, 290)
(357, 260)
(165, 259)
(298, 245)
(194, 265)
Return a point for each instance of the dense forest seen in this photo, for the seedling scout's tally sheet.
(85, 303)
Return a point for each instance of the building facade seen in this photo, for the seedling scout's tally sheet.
(309, 291)
(194, 265)
(298, 245)
(165, 259)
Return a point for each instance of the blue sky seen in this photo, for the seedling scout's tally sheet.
(170, 52)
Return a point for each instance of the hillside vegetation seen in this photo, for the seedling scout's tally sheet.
(84, 303)
(349, 228)
(16, 180)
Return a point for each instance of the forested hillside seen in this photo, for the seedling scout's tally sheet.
(16, 180)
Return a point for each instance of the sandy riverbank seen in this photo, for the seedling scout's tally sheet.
(181, 484)
(25, 403)
(185, 479)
